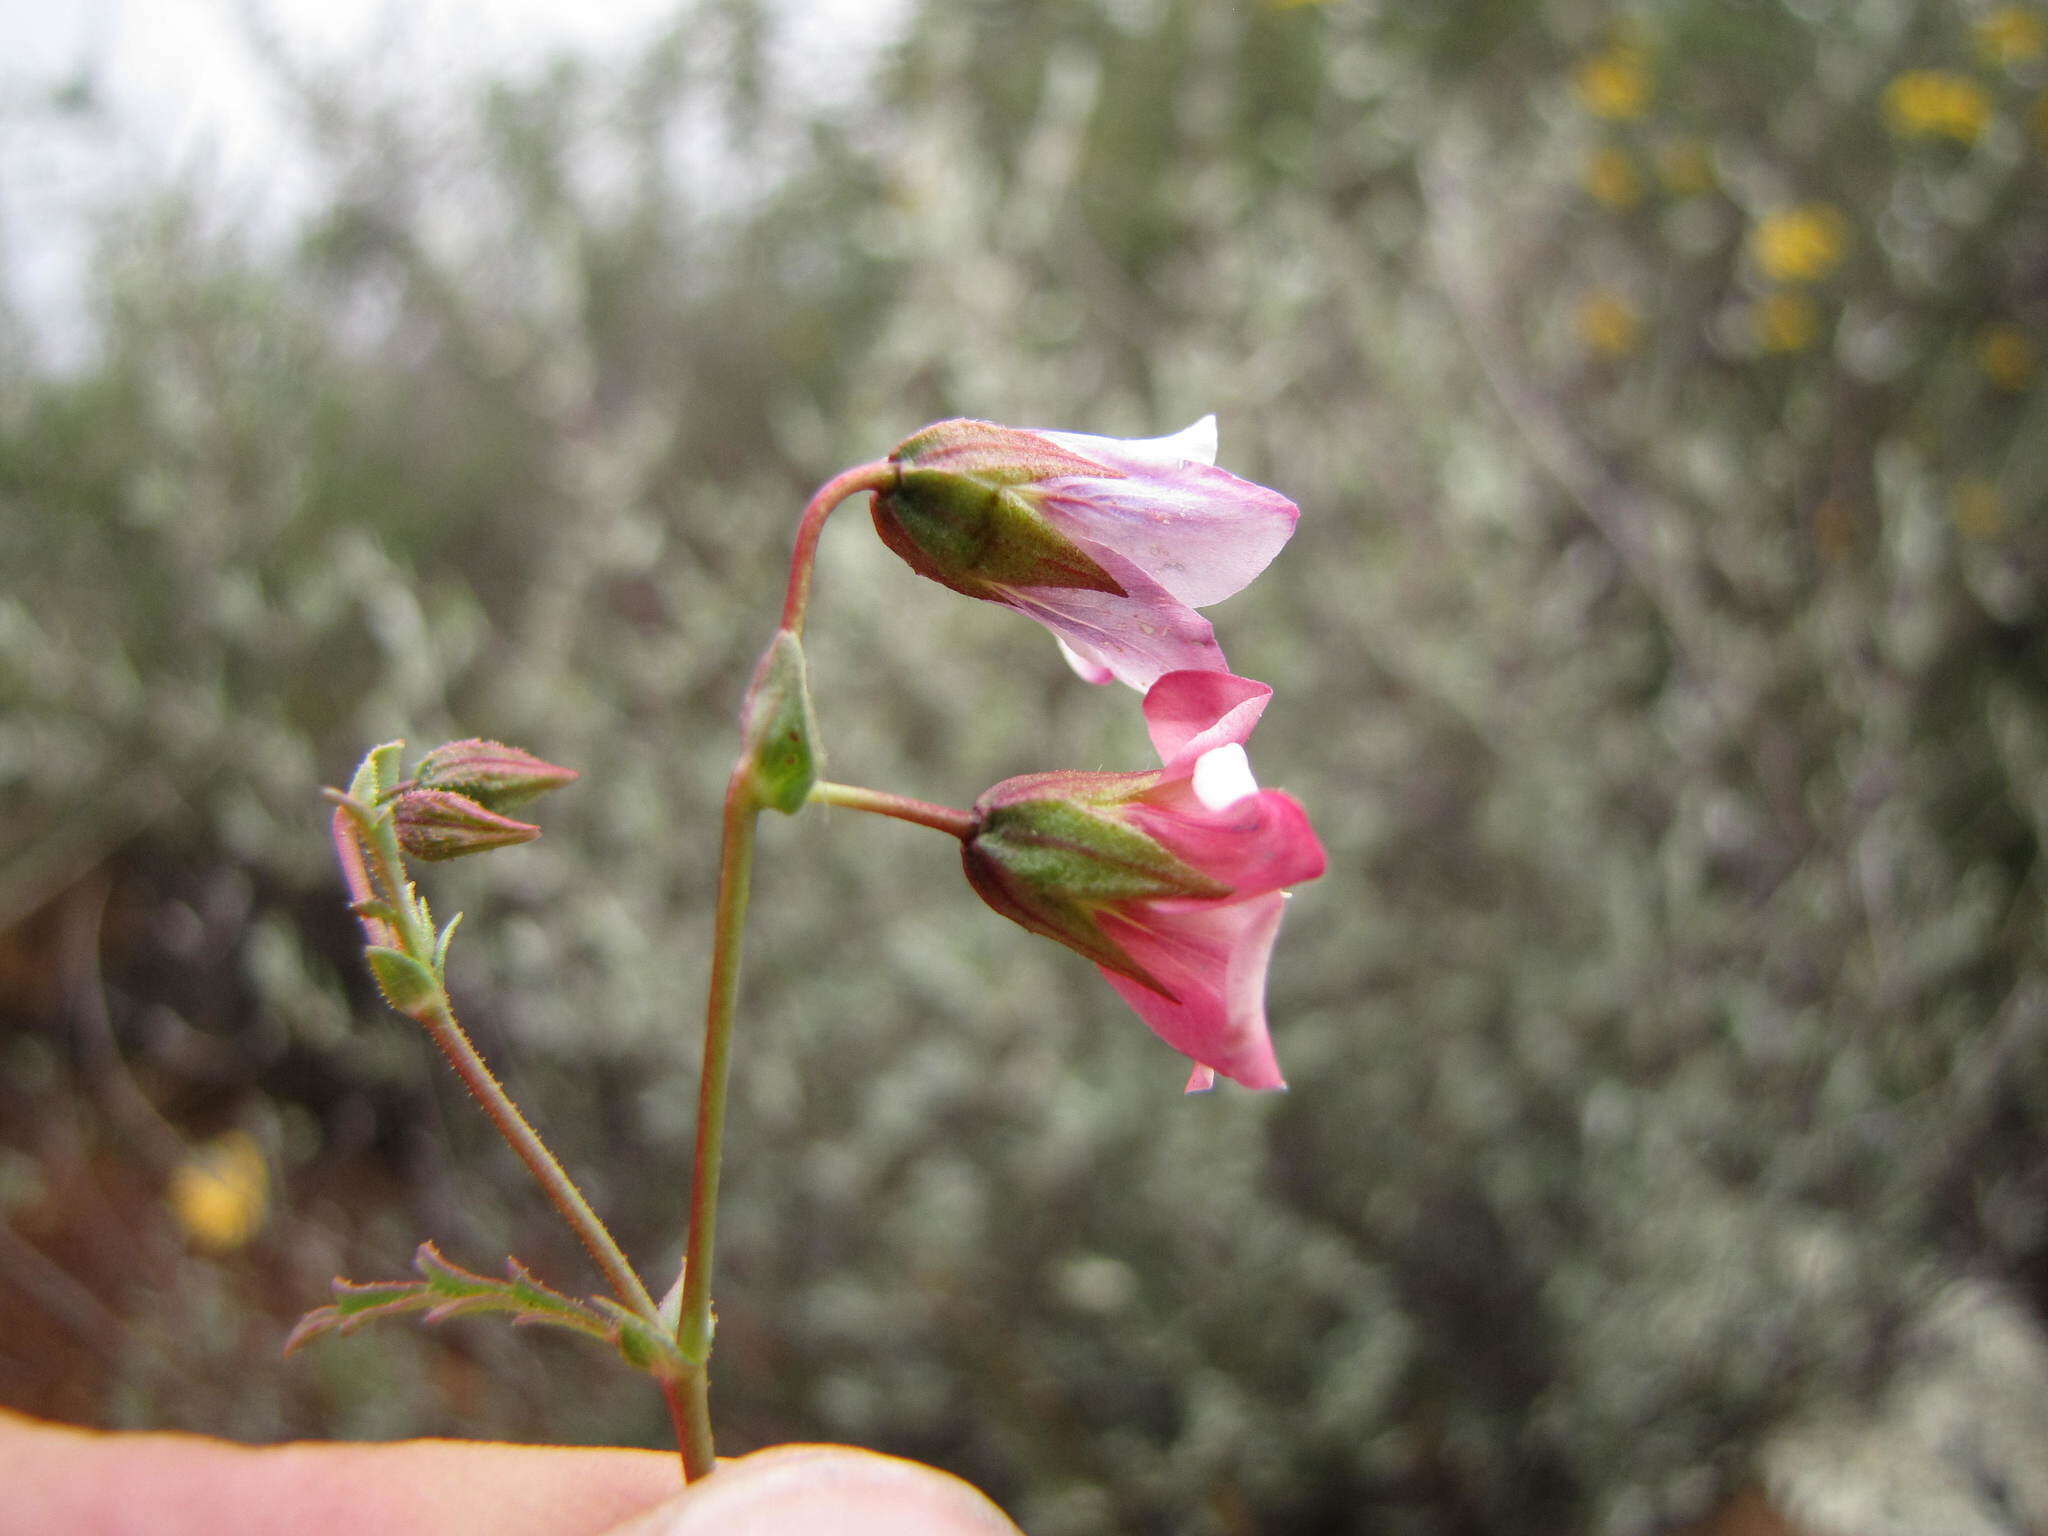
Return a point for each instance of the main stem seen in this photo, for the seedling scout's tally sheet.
(690, 1400)
(735, 877)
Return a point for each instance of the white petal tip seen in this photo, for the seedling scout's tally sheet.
(1223, 776)
(1197, 443)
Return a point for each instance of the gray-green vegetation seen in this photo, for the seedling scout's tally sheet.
(1662, 655)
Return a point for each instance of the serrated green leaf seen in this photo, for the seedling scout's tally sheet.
(445, 1290)
(407, 985)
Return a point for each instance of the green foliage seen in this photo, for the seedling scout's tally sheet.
(446, 1290)
(1661, 654)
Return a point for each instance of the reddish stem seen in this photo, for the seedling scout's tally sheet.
(878, 476)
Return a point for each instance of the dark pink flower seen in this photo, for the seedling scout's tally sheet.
(1172, 882)
(1110, 543)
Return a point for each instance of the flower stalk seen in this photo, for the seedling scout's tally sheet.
(852, 797)
(356, 825)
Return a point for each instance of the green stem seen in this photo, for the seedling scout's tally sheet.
(878, 476)
(735, 876)
(438, 1019)
(879, 801)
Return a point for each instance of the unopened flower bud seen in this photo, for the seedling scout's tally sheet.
(497, 777)
(1111, 544)
(440, 824)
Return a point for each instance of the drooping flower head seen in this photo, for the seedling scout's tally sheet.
(1172, 882)
(1109, 543)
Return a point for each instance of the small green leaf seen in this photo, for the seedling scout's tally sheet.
(446, 1290)
(376, 775)
(407, 985)
(781, 728)
(441, 948)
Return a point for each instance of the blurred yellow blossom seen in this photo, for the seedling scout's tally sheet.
(2008, 356)
(220, 1192)
(2012, 34)
(1687, 167)
(1801, 244)
(1785, 322)
(1937, 103)
(1615, 83)
(1609, 324)
(1612, 178)
(1976, 509)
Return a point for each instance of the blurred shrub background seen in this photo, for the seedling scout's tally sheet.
(1663, 655)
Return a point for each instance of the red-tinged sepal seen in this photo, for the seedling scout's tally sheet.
(436, 824)
(497, 777)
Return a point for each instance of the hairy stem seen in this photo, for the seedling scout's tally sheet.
(437, 1017)
(735, 876)
(879, 801)
(879, 476)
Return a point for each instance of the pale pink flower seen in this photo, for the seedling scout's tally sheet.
(1110, 543)
(1173, 882)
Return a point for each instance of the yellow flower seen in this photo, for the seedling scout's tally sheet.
(220, 1191)
(1937, 103)
(1976, 509)
(1802, 244)
(2012, 34)
(1687, 167)
(2007, 355)
(1609, 324)
(1612, 178)
(1785, 322)
(1614, 84)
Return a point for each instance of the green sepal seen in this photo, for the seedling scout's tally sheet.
(1055, 865)
(441, 948)
(377, 773)
(497, 777)
(780, 729)
(979, 538)
(407, 985)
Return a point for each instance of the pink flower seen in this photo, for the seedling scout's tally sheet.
(1109, 543)
(1172, 882)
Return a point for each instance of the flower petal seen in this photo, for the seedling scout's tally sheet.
(1189, 713)
(1200, 532)
(1136, 637)
(1192, 444)
(1261, 843)
(1091, 669)
(1214, 958)
(1223, 776)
